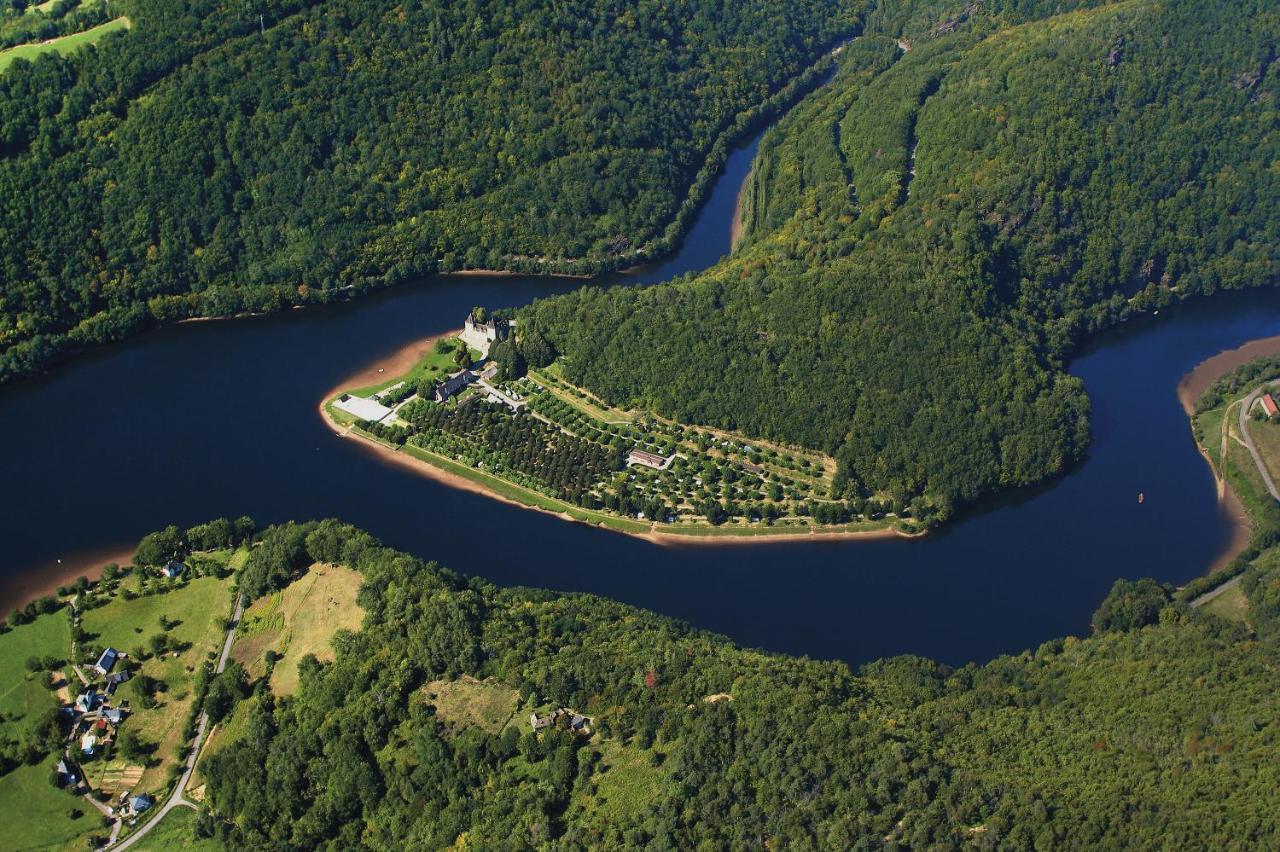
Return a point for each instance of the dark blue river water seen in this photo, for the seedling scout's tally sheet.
(219, 418)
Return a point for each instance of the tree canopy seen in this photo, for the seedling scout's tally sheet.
(931, 236)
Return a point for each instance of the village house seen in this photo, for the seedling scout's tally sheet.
(173, 568)
(114, 681)
(106, 661)
(575, 722)
(1269, 405)
(66, 770)
(647, 459)
(88, 701)
(114, 715)
(88, 742)
(452, 385)
(140, 803)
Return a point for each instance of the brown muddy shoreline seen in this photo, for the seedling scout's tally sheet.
(20, 590)
(1190, 388)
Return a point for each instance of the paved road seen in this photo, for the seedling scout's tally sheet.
(1214, 592)
(1248, 441)
(177, 800)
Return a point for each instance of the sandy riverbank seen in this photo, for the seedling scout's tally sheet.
(1190, 388)
(735, 225)
(18, 590)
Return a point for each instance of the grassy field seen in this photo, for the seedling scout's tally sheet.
(626, 782)
(21, 692)
(176, 831)
(37, 816)
(65, 44)
(198, 608)
(298, 621)
(468, 701)
(1266, 437)
(1231, 605)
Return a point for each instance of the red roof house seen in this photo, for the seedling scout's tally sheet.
(1269, 405)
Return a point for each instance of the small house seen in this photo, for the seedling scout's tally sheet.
(88, 701)
(141, 802)
(173, 568)
(107, 661)
(88, 742)
(1269, 405)
(66, 773)
(114, 681)
(114, 715)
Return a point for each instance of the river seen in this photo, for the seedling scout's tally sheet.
(219, 418)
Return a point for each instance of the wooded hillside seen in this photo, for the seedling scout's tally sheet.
(220, 157)
(932, 235)
(1159, 730)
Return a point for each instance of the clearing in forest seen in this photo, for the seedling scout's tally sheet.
(65, 44)
(297, 621)
(466, 701)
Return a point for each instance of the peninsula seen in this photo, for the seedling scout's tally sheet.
(489, 408)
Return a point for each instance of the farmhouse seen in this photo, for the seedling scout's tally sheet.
(88, 743)
(452, 385)
(1269, 405)
(576, 722)
(173, 568)
(115, 680)
(648, 459)
(141, 802)
(106, 661)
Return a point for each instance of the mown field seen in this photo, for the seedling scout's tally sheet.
(64, 44)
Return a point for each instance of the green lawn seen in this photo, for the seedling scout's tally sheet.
(64, 44)
(20, 691)
(433, 364)
(36, 813)
(176, 831)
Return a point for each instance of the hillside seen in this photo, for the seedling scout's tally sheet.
(1159, 729)
(931, 236)
(217, 158)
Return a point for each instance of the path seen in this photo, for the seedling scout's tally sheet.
(177, 799)
(1217, 590)
(1248, 441)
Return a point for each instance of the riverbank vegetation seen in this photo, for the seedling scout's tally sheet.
(696, 742)
(221, 158)
(934, 233)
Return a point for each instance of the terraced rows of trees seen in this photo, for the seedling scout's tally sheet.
(1160, 728)
(931, 236)
(222, 157)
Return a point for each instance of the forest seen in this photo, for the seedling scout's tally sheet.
(1158, 729)
(931, 236)
(219, 157)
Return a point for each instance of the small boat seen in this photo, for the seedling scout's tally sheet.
(1141, 497)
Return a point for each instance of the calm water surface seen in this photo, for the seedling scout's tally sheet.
(219, 418)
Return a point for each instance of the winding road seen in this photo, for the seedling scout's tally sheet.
(1245, 407)
(176, 799)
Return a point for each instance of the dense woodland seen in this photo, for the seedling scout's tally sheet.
(930, 236)
(1160, 730)
(222, 157)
